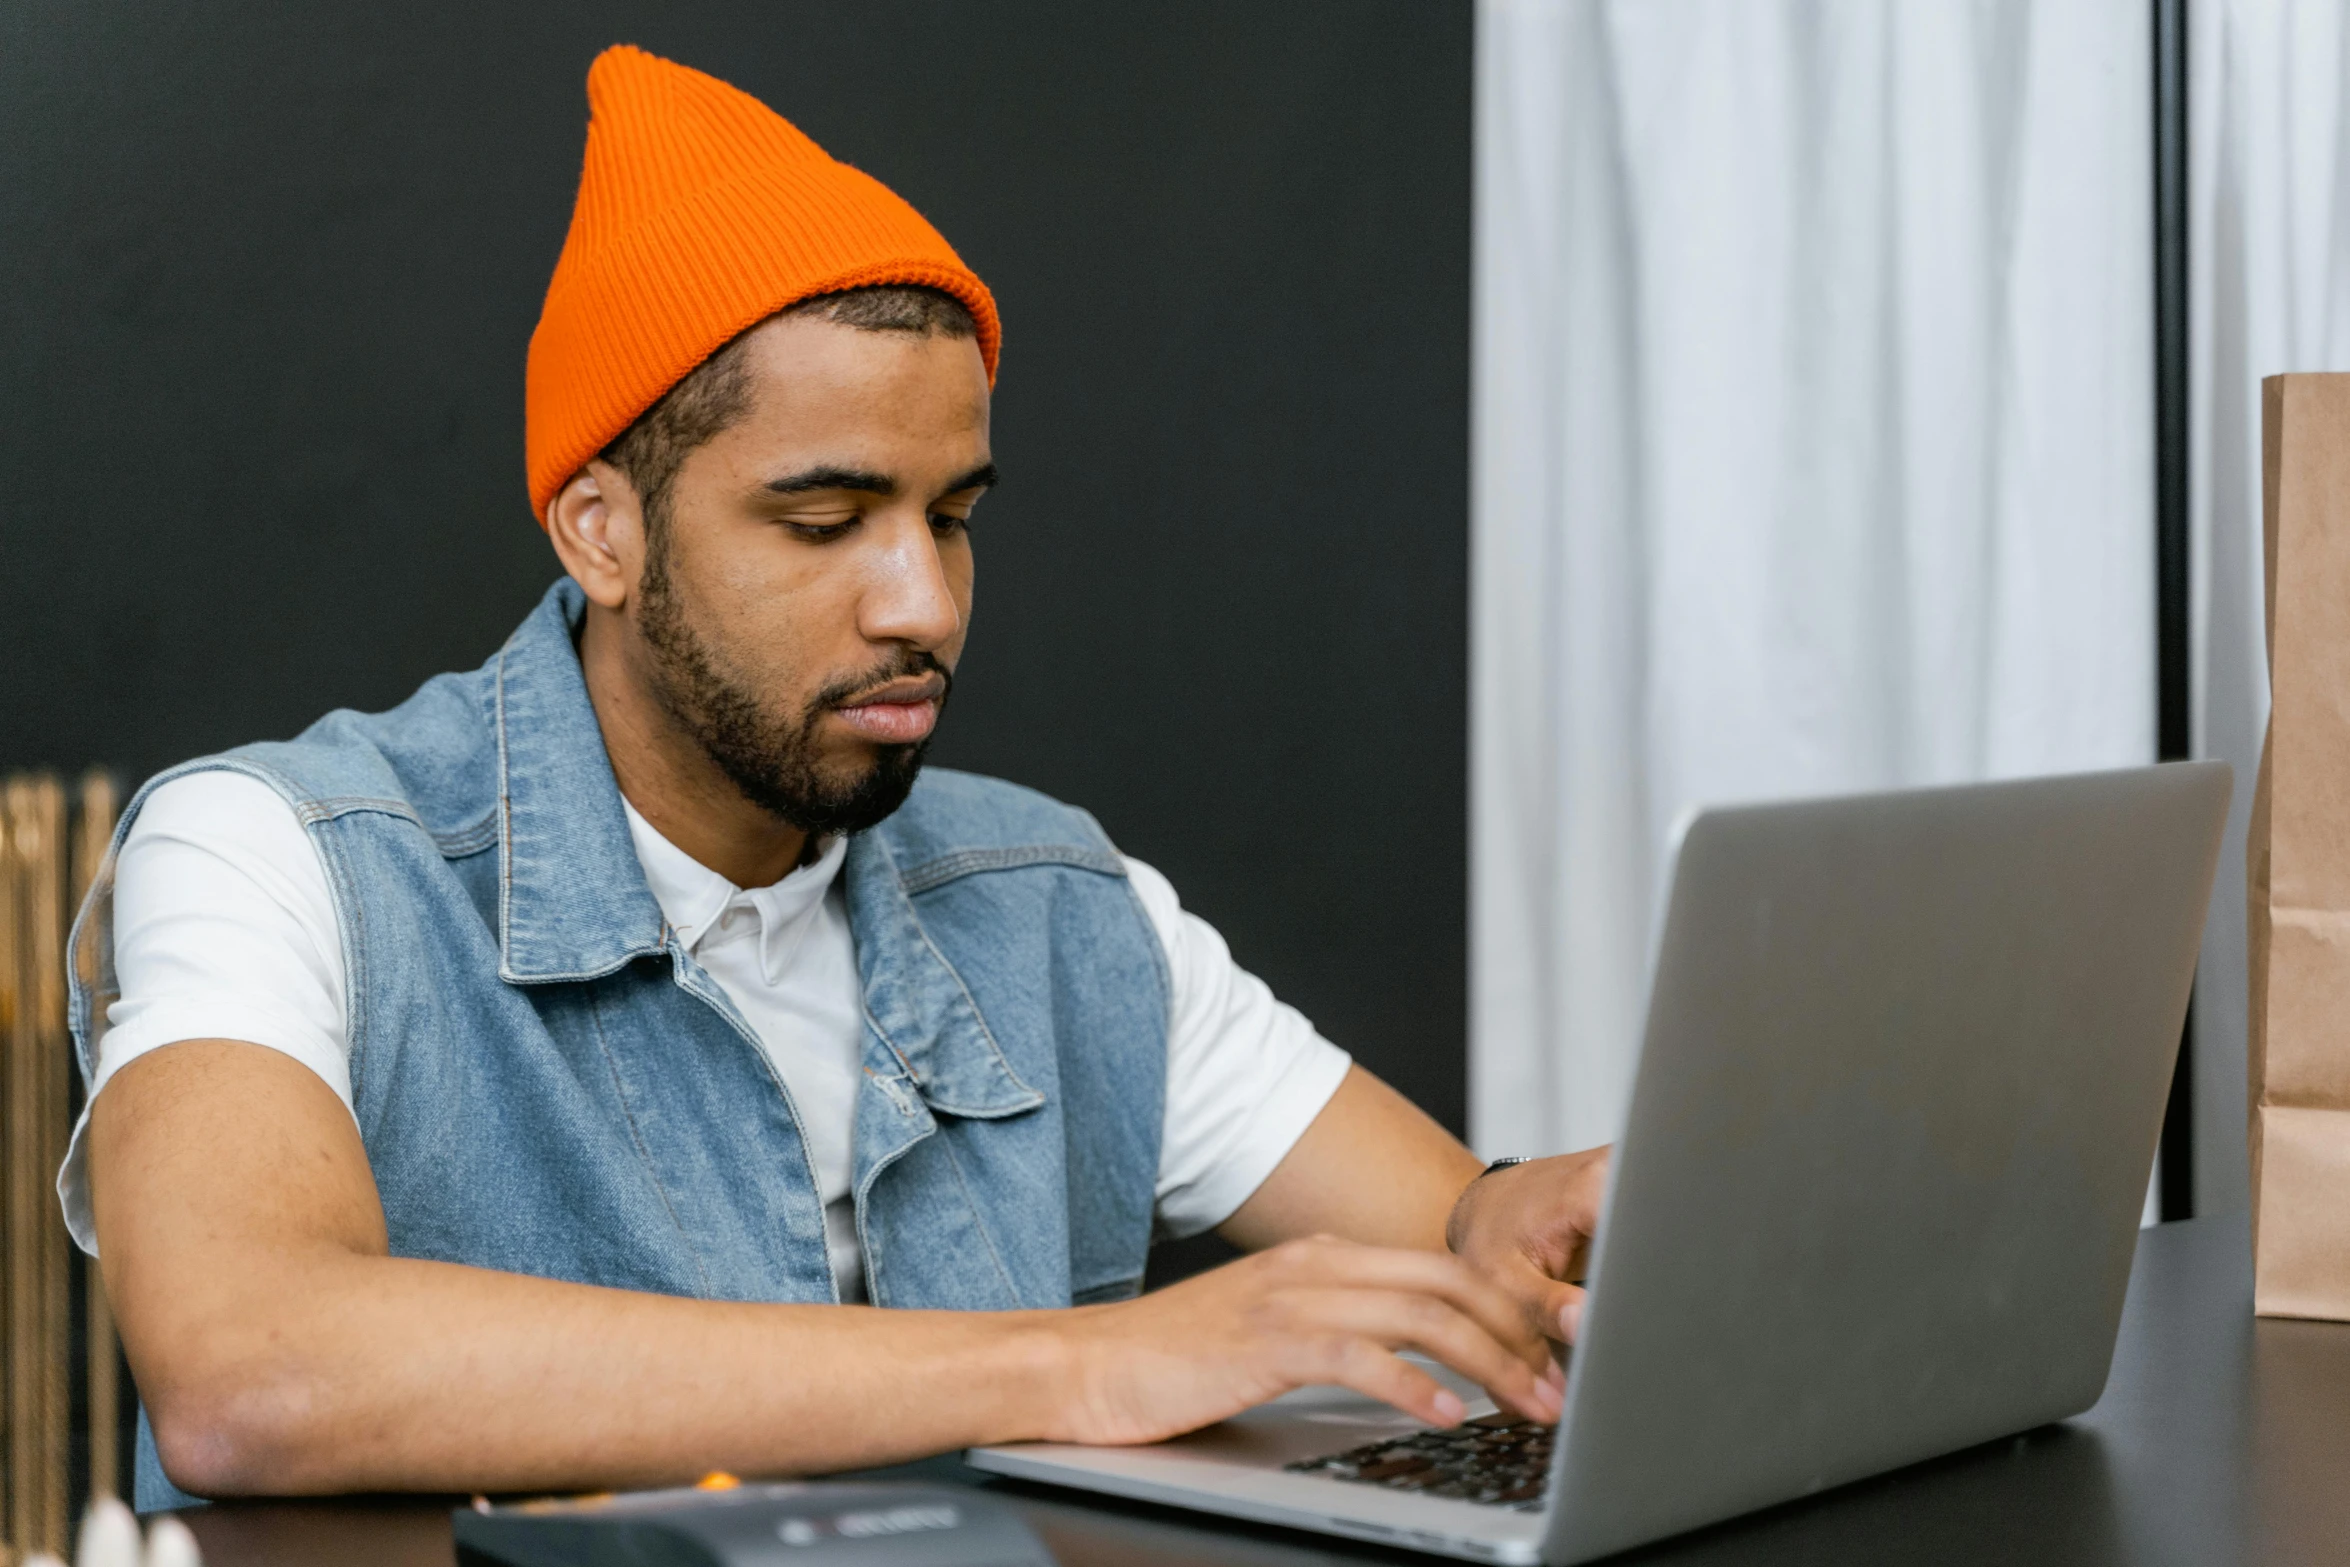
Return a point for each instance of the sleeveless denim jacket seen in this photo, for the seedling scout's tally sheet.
(547, 1083)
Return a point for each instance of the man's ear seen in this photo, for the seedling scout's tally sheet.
(597, 524)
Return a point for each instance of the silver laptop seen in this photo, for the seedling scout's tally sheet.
(1875, 1199)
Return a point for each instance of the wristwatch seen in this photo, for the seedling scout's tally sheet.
(1505, 1161)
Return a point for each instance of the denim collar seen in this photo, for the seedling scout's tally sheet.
(572, 900)
(573, 903)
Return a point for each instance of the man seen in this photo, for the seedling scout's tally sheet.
(549, 1082)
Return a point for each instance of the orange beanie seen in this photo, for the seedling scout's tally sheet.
(701, 212)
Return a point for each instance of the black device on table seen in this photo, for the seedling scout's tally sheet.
(839, 1524)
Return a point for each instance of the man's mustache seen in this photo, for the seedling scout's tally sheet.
(912, 663)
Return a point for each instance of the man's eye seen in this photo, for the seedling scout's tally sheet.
(820, 532)
(940, 522)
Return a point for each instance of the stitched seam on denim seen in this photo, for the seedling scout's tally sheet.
(581, 976)
(636, 1136)
(353, 933)
(1158, 951)
(947, 1146)
(936, 873)
(460, 842)
(312, 811)
(905, 1067)
(986, 1113)
(505, 813)
(871, 1260)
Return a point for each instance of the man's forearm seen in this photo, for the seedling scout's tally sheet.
(280, 1348)
(1372, 1167)
(319, 1372)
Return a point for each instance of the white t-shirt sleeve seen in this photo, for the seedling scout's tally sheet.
(1246, 1074)
(224, 928)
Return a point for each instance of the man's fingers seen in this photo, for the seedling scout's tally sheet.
(1435, 1274)
(1561, 1236)
(1440, 1330)
(1381, 1374)
(1555, 1307)
(1562, 1310)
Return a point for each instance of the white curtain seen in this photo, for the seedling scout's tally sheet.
(1813, 452)
(2269, 274)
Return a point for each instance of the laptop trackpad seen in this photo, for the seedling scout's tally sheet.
(1313, 1422)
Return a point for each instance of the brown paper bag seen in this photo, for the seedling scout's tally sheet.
(2298, 861)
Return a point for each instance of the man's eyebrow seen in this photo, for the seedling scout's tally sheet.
(830, 476)
(826, 476)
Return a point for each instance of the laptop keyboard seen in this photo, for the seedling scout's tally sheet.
(1496, 1459)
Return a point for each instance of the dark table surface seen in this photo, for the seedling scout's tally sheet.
(2220, 1439)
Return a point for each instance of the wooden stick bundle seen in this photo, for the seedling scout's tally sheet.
(47, 860)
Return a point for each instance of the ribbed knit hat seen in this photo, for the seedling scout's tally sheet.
(701, 212)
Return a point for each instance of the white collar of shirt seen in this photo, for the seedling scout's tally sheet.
(707, 910)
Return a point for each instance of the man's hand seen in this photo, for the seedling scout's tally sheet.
(1315, 1311)
(1374, 1168)
(1528, 1229)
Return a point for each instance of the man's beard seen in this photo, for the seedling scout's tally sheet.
(774, 761)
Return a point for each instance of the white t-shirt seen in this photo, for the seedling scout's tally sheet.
(225, 928)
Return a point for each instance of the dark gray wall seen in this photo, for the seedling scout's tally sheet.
(267, 274)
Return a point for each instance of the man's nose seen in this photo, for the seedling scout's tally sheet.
(909, 597)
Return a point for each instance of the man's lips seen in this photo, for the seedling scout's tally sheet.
(899, 713)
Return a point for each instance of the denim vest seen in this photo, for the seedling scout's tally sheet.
(547, 1083)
